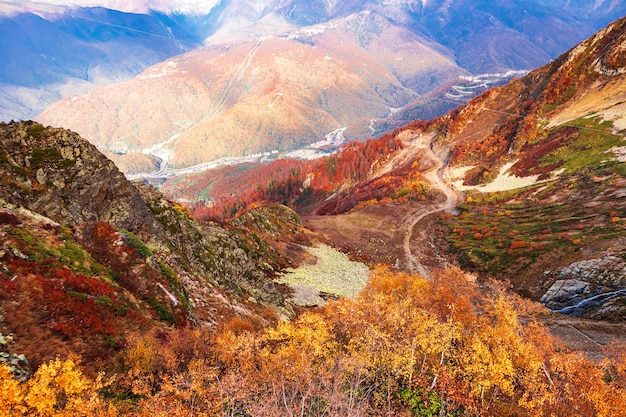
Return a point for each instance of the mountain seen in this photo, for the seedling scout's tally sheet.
(540, 162)
(117, 253)
(472, 38)
(97, 320)
(494, 36)
(558, 133)
(258, 96)
(54, 54)
(115, 301)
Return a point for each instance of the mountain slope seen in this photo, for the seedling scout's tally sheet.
(490, 36)
(541, 160)
(115, 254)
(478, 36)
(559, 132)
(49, 55)
(258, 96)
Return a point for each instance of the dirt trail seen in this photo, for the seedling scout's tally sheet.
(434, 176)
(236, 77)
(394, 233)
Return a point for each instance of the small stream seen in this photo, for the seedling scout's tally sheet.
(583, 306)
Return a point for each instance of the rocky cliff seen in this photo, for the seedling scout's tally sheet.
(71, 222)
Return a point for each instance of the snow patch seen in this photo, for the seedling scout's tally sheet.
(308, 32)
(481, 81)
(505, 181)
(457, 173)
(619, 152)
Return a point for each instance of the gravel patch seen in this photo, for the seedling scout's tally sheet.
(333, 273)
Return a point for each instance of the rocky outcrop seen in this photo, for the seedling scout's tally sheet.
(594, 288)
(219, 257)
(59, 175)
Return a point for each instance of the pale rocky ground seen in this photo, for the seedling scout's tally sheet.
(329, 273)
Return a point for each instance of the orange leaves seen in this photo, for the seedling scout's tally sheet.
(232, 189)
(453, 295)
(384, 282)
(517, 244)
(445, 340)
(11, 394)
(58, 388)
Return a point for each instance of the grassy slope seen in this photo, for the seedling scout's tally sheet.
(514, 234)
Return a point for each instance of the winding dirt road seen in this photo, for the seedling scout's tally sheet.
(397, 234)
(434, 176)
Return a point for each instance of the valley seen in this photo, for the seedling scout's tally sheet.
(321, 208)
(406, 236)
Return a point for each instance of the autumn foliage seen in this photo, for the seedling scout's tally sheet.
(76, 291)
(405, 346)
(298, 183)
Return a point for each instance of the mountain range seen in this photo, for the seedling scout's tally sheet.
(51, 54)
(539, 159)
(401, 43)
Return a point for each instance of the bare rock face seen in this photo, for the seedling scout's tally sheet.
(57, 173)
(594, 288)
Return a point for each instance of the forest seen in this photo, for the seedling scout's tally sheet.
(406, 346)
(298, 183)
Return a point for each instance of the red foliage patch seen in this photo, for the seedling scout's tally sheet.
(67, 302)
(530, 154)
(295, 182)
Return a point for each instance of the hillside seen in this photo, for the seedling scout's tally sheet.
(88, 257)
(271, 93)
(560, 132)
(48, 53)
(540, 161)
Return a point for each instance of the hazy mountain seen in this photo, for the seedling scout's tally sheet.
(490, 36)
(47, 56)
(274, 93)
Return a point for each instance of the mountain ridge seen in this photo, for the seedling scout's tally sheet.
(60, 176)
(258, 96)
(429, 21)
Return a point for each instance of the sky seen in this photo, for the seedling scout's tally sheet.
(136, 6)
